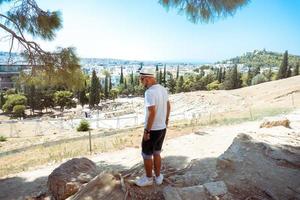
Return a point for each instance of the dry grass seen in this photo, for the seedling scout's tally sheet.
(41, 154)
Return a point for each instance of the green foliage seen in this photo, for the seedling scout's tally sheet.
(83, 99)
(262, 59)
(47, 100)
(283, 70)
(10, 91)
(121, 76)
(160, 80)
(83, 126)
(213, 85)
(113, 93)
(94, 94)
(132, 78)
(2, 99)
(296, 69)
(2, 138)
(64, 99)
(171, 84)
(19, 110)
(62, 72)
(179, 85)
(187, 85)
(139, 89)
(232, 79)
(13, 100)
(33, 20)
(106, 85)
(205, 10)
(259, 78)
(268, 74)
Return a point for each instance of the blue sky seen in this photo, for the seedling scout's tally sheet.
(144, 30)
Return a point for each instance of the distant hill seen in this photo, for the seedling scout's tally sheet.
(261, 58)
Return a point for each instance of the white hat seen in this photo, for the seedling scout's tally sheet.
(147, 71)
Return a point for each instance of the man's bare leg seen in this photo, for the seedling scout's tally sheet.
(157, 164)
(148, 167)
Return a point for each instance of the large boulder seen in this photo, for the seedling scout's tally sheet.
(66, 179)
(105, 186)
(272, 168)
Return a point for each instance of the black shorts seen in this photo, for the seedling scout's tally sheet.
(153, 146)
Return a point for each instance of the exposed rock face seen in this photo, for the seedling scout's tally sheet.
(275, 121)
(192, 193)
(104, 186)
(65, 180)
(275, 169)
(216, 188)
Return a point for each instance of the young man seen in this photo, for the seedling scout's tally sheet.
(157, 111)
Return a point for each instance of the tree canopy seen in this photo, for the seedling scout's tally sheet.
(25, 16)
(205, 10)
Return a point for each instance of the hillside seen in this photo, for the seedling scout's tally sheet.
(276, 96)
(262, 58)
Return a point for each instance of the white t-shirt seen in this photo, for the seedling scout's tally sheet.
(156, 95)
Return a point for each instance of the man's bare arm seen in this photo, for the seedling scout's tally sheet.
(168, 112)
(150, 120)
(151, 117)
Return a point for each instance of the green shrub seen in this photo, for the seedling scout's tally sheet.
(64, 99)
(259, 78)
(83, 126)
(213, 86)
(19, 110)
(2, 138)
(10, 91)
(12, 100)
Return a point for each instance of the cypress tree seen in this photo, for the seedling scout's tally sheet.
(125, 84)
(177, 72)
(106, 86)
(132, 79)
(232, 79)
(94, 90)
(121, 76)
(157, 72)
(160, 77)
(224, 74)
(296, 70)
(179, 84)
(82, 95)
(235, 77)
(110, 84)
(219, 75)
(2, 100)
(171, 84)
(289, 72)
(282, 72)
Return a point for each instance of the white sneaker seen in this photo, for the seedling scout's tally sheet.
(159, 179)
(144, 181)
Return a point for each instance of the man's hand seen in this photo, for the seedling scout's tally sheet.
(146, 135)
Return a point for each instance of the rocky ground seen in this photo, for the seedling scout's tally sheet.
(234, 162)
